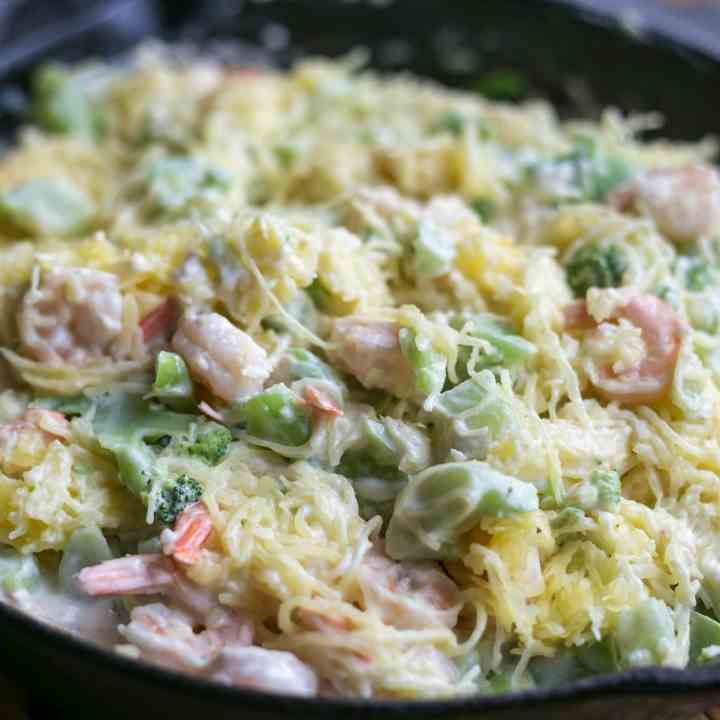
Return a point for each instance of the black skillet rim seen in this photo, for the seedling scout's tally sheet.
(640, 682)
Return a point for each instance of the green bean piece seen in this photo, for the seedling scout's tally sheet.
(444, 501)
(86, 547)
(17, 571)
(428, 364)
(471, 416)
(704, 634)
(301, 364)
(433, 251)
(644, 634)
(46, 207)
(276, 415)
(571, 664)
(173, 184)
(173, 385)
(60, 104)
(508, 348)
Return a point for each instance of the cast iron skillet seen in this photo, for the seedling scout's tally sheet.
(581, 62)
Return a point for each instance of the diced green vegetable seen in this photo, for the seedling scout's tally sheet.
(508, 348)
(173, 184)
(175, 496)
(68, 405)
(594, 266)
(607, 485)
(699, 276)
(427, 364)
(644, 634)
(173, 385)
(586, 174)
(484, 208)
(86, 547)
(301, 308)
(444, 501)
(470, 416)
(320, 295)
(276, 415)
(568, 519)
(376, 484)
(570, 664)
(123, 424)
(704, 634)
(301, 364)
(286, 154)
(503, 84)
(433, 251)
(17, 571)
(46, 207)
(60, 103)
(451, 121)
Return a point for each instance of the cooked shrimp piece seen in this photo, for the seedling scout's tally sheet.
(52, 423)
(160, 322)
(321, 401)
(167, 637)
(370, 351)
(270, 670)
(130, 575)
(221, 356)
(683, 202)
(192, 529)
(71, 315)
(650, 378)
(156, 574)
(407, 594)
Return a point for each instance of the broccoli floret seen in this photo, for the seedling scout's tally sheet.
(593, 266)
(124, 425)
(607, 484)
(698, 276)
(484, 208)
(175, 496)
(451, 121)
(209, 444)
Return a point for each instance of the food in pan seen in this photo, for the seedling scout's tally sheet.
(334, 384)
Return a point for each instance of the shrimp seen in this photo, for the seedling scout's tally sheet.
(167, 637)
(187, 635)
(407, 595)
(192, 529)
(270, 670)
(321, 401)
(684, 203)
(196, 634)
(221, 356)
(370, 351)
(662, 331)
(159, 323)
(71, 315)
